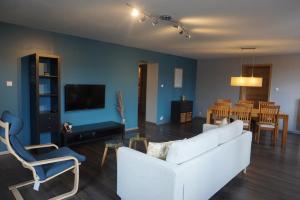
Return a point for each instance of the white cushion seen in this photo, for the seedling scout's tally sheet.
(229, 131)
(224, 122)
(266, 125)
(159, 150)
(246, 123)
(207, 127)
(184, 150)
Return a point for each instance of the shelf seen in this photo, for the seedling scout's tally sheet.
(48, 112)
(47, 76)
(48, 95)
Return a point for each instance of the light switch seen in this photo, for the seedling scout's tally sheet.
(9, 83)
(277, 89)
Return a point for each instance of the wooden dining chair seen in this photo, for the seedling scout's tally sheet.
(219, 112)
(223, 101)
(244, 101)
(268, 121)
(265, 103)
(245, 105)
(243, 113)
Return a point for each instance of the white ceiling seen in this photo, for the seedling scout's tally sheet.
(218, 27)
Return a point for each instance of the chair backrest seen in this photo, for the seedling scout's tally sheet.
(242, 112)
(220, 111)
(269, 114)
(228, 104)
(265, 103)
(15, 147)
(223, 101)
(245, 105)
(244, 101)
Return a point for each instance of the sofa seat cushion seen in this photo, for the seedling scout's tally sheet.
(184, 150)
(55, 168)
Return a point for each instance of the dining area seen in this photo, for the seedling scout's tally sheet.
(259, 117)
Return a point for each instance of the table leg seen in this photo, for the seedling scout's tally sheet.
(130, 143)
(116, 150)
(284, 131)
(104, 156)
(146, 144)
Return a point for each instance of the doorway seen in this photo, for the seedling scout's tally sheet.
(142, 89)
(147, 93)
(257, 94)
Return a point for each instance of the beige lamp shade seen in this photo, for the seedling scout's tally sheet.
(246, 81)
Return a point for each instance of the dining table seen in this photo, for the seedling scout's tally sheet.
(254, 114)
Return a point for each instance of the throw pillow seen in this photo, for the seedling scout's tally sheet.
(224, 122)
(159, 150)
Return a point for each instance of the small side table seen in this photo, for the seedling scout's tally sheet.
(111, 144)
(138, 138)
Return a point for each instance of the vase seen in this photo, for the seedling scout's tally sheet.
(123, 120)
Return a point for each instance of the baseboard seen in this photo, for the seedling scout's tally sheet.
(294, 132)
(2, 153)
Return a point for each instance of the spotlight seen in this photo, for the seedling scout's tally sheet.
(142, 19)
(180, 29)
(188, 36)
(135, 12)
(154, 22)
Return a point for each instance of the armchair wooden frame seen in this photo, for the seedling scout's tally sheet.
(30, 165)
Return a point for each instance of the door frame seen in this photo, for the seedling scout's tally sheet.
(257, 66)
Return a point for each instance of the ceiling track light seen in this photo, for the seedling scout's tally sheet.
(157, 19)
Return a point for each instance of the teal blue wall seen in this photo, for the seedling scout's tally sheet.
(91, 62)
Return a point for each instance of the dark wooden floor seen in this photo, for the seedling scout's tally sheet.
(272, 174)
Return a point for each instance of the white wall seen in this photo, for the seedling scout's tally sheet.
(213, 77)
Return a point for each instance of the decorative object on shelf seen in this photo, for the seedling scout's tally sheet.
(120, 106)
(183, 98)
(143, 16)
(243, 80)
(68, 127)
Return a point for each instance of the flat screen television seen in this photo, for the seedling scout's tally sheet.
(82, 97)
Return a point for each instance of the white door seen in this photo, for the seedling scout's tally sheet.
(151, 92)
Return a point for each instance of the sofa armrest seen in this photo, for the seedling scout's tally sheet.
(140, 176)
(207, 127)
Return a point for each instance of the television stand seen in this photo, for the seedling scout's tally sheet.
(92, 132)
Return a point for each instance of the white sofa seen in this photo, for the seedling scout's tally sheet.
(195, 168)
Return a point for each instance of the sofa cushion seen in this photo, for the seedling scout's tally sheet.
(208, 127)
(159, 150)
(184, 150)
(229, 131)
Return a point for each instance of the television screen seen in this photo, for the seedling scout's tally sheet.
(81, 97)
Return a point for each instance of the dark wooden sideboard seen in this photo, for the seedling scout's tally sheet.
(92, 132)
(181, 111)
